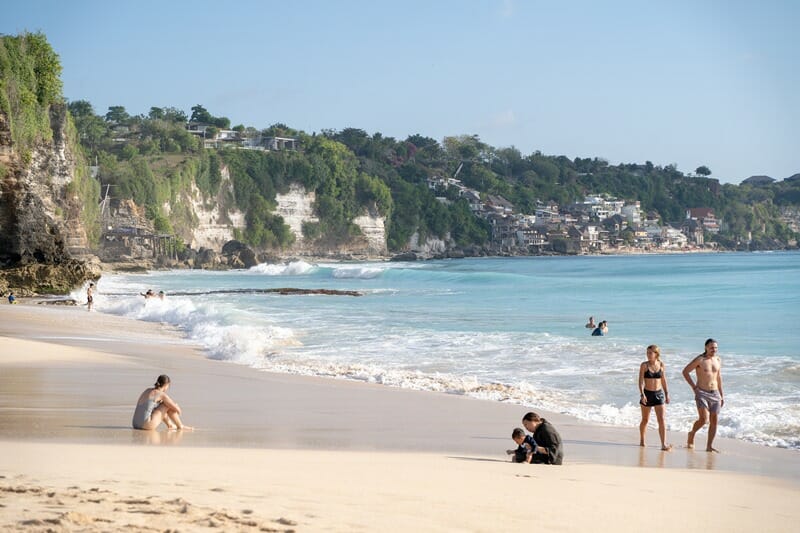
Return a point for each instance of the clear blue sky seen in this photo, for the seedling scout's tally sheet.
(713, 83)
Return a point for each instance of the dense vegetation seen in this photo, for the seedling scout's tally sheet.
(30, 82)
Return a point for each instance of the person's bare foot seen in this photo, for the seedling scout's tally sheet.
(666, 447)
(690, 441)
(712, 450)
(641, 443)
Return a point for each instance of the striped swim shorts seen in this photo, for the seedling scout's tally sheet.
(708, 399)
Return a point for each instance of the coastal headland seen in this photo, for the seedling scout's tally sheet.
(279, 452)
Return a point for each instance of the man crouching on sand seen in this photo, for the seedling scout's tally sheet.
(708, 393)
(548, 442)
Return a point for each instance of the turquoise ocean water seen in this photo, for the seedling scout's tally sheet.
(509, 329)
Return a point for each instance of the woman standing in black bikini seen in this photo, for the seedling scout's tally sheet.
(653, 393)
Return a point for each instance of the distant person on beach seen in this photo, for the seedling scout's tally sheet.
(90, 296)
(525, 446)
(154, 407)
(653, 393)
(149, 294)
(708, 394)
(591, 324)
(161, 295)
(601, 329)
(11, 298)
(548, 448)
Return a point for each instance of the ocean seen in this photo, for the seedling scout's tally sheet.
(508, 329)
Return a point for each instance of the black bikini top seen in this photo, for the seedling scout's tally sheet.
(652, 375)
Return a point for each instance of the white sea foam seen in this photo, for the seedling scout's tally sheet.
(295, 268)
(349, 272)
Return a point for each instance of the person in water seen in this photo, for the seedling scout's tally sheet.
(11, 298)
(653, 393)
(708, 395)
(154, 407)
(601, 329)
(149, 294)
(591, 324)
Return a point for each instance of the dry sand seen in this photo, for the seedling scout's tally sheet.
(277, 452)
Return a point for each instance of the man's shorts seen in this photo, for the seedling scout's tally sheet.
(708, 399)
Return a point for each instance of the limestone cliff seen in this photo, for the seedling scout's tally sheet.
(40, 211)
(297, 207)
(214, 219)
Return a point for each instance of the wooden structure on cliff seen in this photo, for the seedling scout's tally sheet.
(128, 234)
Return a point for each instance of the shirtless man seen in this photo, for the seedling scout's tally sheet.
(708, 394)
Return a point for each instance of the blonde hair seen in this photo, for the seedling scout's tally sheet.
(656, 349)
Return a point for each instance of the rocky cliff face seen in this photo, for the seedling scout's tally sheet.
(39, 218)
(215, 219)
(297, 207)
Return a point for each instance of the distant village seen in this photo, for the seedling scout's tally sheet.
(599, 224)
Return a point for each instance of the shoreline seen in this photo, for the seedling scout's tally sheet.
(129, 342)
(289, 452)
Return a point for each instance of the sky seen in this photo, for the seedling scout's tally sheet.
(683, 82)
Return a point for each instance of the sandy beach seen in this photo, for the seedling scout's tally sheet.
(275, 452)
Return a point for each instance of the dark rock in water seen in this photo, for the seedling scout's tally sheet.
(248, 257)
(233, 247)
(329, 292)
(61, 301)
(206, 258)
(282, 291)
(239, 255)
(49, 279)
(405, 256)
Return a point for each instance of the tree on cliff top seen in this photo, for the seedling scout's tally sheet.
(30, 82)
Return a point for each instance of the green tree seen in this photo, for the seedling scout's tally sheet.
(703, 171)
(117, 115)
(200, 114)
(47, 69)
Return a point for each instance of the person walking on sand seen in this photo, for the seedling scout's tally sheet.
(653, 393)
(90, 296)
(708, 394)
(154, 407)
(548, 449)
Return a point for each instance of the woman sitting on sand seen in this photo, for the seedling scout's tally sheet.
(653, 393)
(154, 407)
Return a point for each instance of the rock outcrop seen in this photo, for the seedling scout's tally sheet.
(216, 221)
(39, 215)
(297, 207)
